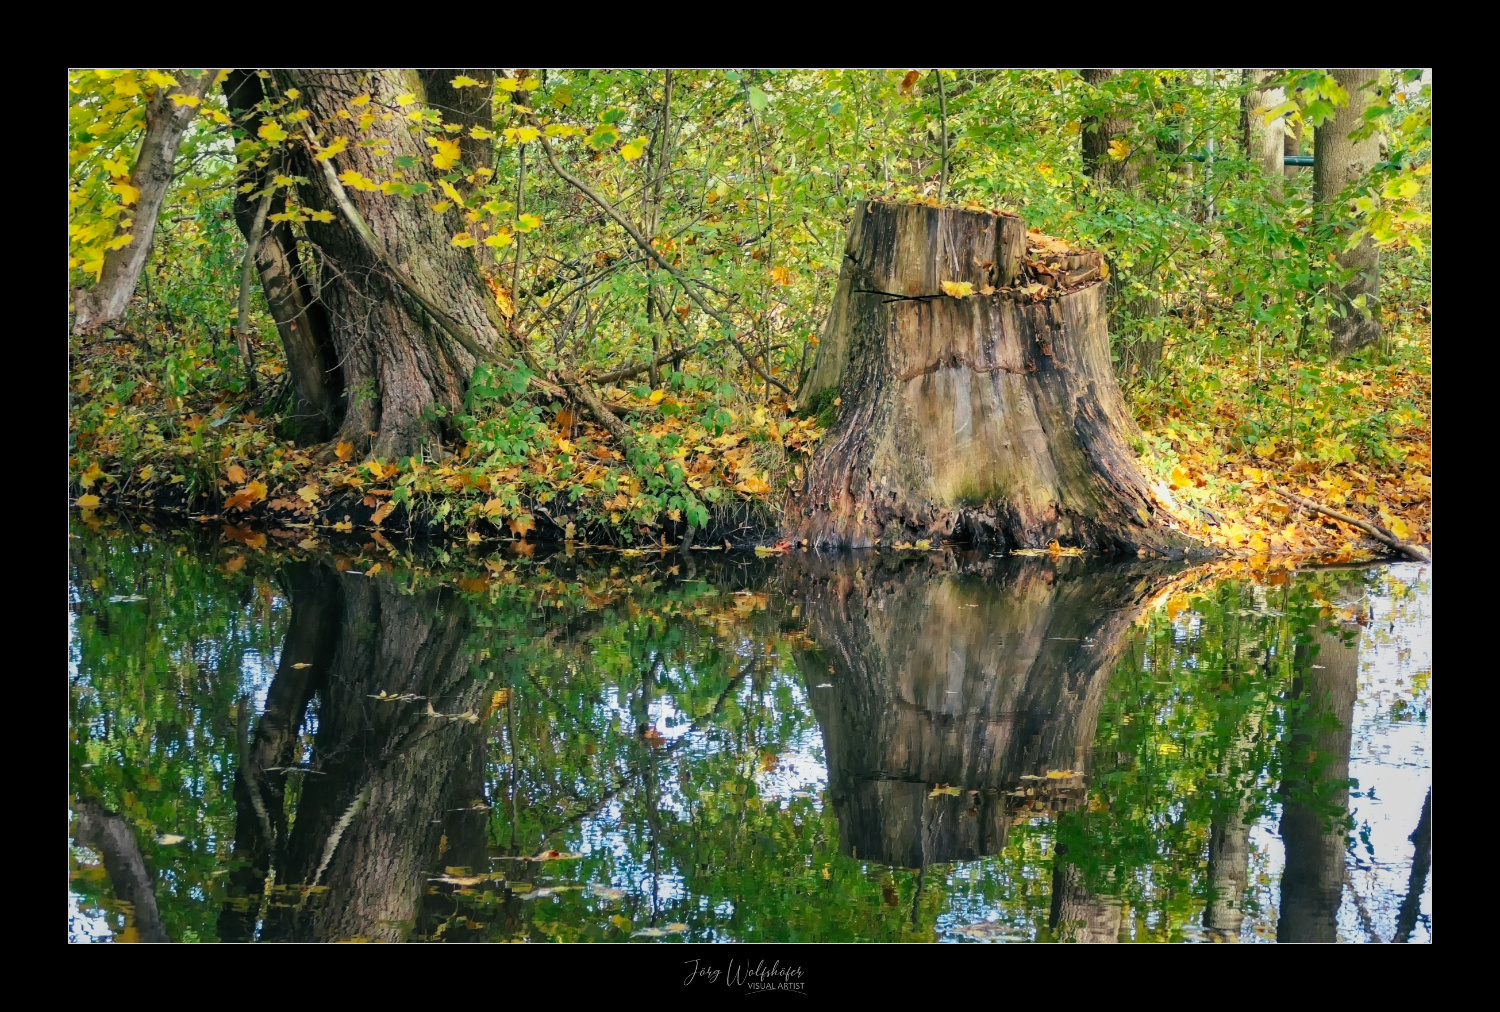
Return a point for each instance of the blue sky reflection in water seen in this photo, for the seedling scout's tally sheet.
(896, 747)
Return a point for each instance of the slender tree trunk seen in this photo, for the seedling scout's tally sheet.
(1339, 161)
(405, 374)
(1264, 142)
(1315, 791)
(1292, 145)
(113, 836)
(991, 418)
(1421, 863)
(301, 319)
(166, 121)
(1140, 354)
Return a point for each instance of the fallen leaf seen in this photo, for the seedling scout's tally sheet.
(236, 474)
(941, 789)
(957, 289)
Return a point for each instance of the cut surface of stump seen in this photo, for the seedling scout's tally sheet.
(966, 366)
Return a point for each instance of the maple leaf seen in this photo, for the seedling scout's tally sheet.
(520, 524)
(958, 289)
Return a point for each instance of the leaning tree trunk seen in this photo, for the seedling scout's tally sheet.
(301, 319)
(993, 418)
(1339, 161)
(404, 372)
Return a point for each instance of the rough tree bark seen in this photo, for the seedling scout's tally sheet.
(1264, 142)
(1338, 161)
(1315, 786)
(396, 780)
(405, 374)
(993, 418)
(166, 121)
(301, 320)
(1006, 680)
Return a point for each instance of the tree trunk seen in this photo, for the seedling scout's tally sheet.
(1076, 914)
(260, 783)
(404, 374)
(1292, 145)
(301, 319)
(1315, 790)
(113, 836)
(1099, 132)
(1337, 162)
(1264, 142)
(166, 121)
(1005, 680)
(992, 418)
(399, 779)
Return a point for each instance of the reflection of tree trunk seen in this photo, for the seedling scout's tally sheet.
(967, 678)
(134, 886)
(1228, 873)
(1078, 915)
(1315, 790)
(1406, 918)
(260, 782)
(395, 785)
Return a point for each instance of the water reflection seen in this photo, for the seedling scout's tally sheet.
(886, 748)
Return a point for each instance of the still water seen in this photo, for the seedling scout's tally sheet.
(274, 745)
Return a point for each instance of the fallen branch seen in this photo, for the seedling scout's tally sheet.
(630, 372)
(683, 281)
(1378, 533)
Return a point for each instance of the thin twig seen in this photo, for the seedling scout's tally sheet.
(1378, 533)
(683, 281)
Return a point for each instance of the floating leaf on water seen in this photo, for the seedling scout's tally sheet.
(1062, 774)
(945, 789)
(302, 664)
(168, 839)
(125, 598)
(662, 932)
(607, 893)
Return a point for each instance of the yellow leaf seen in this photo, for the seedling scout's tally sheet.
(88, 502)
(500, 240)
(359, 100)
(405, 100)
(161, 80)
(356, 181)
(448, 152)
(271, 131)
(334, 147)
(119, 242)
(634, 149)
(128, 193)
(1119, 148)
(323, 216)
(781, 276)
(656, 396)
(188, 100)
(463, 240)
(91, 475)
(1180, 477)
(344, 526)
(942, 789)
(958, 289)
(527, 222)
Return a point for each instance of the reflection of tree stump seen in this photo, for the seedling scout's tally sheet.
(966, 678)
(992, 417)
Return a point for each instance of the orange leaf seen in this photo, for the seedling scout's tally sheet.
(380, 514)
(344, 451)
(236, 474)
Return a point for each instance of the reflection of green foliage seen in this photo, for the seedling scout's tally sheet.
(153, 695)
(660, 728)
(1192, 730)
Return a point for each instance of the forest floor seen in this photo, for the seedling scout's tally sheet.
(1218, 435)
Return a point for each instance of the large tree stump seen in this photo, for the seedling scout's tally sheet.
(992, 418)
